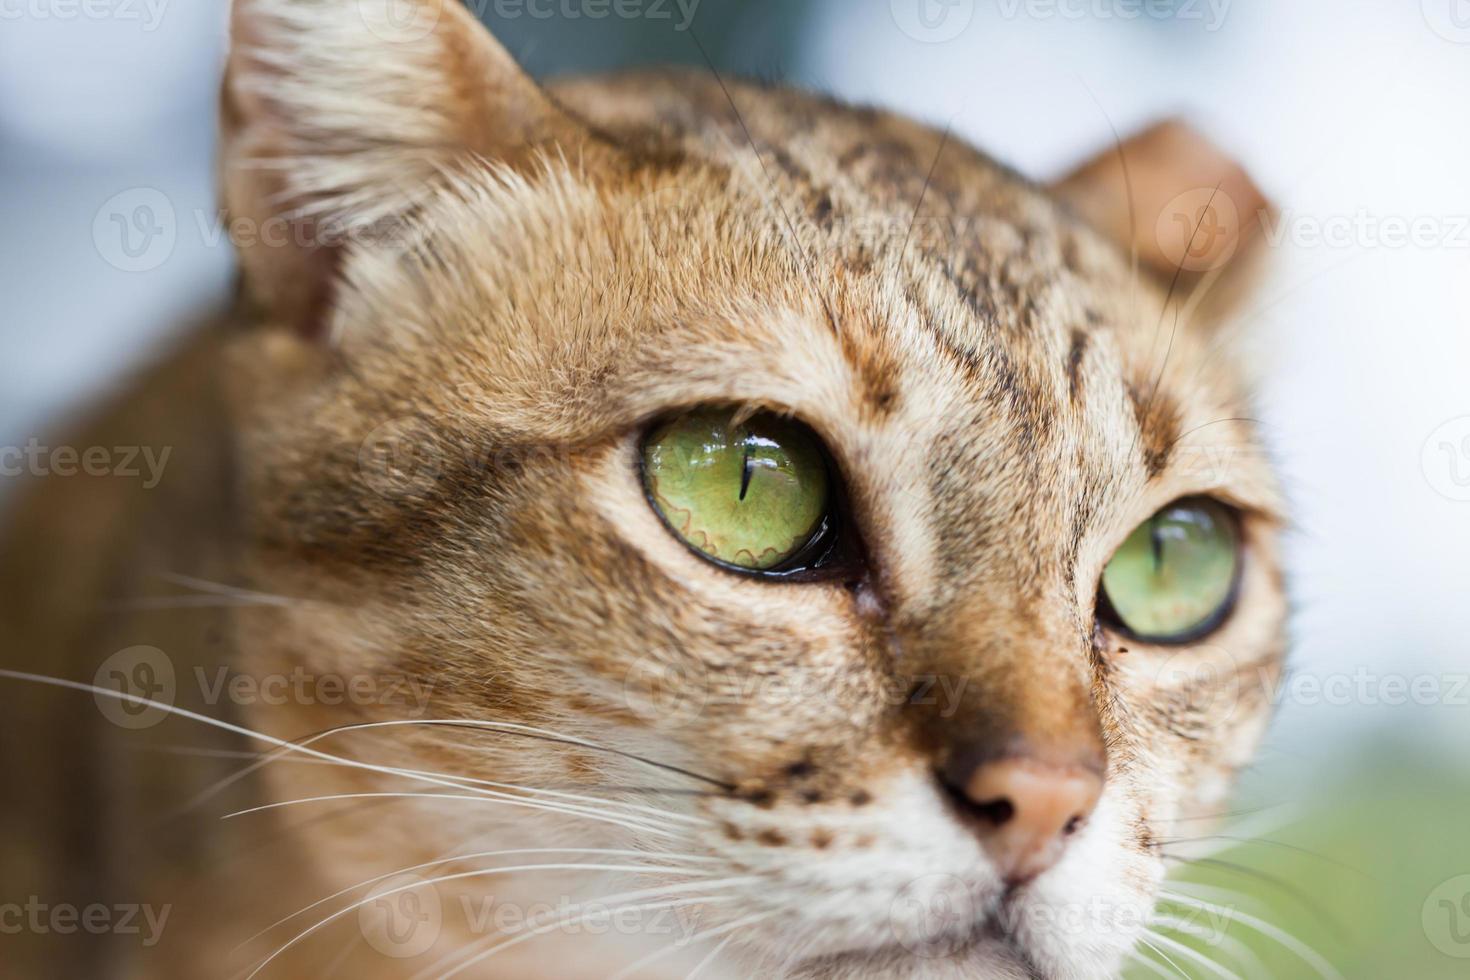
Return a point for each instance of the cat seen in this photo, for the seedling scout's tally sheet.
(767, 517)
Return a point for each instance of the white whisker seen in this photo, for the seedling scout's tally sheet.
(191, 750)
(466, 782)
(709, 958)
(1237, 834)
(481, 797)
(478, 855)
(1226, 942)
(249, 733)
(1153, 967)
(228, 591)
(1193, 954)
(1218, 891)
(728, 928)
(1143, 941)
(481, 873)
(1306, 953)
(599, 906)
(147, 603)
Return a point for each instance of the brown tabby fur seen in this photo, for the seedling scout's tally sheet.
(528, 280)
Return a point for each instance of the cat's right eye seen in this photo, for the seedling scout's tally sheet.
(754, 494)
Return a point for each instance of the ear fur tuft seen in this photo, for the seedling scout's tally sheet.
(339, 115)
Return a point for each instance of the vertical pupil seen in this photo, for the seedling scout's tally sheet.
(745, 470)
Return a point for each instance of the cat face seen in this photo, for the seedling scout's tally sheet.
(899, 735)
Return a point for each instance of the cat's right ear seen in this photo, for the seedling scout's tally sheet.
(1184, 208)
(340, 115)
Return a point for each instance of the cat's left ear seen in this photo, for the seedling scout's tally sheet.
(340, 115)
(1196, 213)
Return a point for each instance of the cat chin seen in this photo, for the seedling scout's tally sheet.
(990, 958)
(996, 949)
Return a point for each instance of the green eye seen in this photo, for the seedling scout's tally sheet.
(1174, 578)
(752, 495)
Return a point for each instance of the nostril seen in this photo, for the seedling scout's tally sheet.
(997, 812)
(994, 812)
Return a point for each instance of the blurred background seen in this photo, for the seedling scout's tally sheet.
(1350, 835)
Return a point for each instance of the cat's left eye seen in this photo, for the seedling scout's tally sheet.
(1174, 578)
(755, 493)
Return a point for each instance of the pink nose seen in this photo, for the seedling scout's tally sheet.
(1024, 809)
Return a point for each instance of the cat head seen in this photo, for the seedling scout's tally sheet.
(780, 489)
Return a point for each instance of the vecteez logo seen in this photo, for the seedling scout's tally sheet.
(136, 230)
(932, 21)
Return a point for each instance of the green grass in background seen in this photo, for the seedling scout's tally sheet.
(1363, 874)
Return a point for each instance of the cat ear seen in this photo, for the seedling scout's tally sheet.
(339, 115)
(1195, 212)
